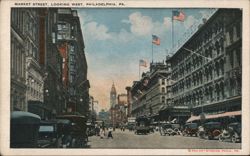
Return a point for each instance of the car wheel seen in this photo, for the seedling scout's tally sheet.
(234, 139)
(221, 138)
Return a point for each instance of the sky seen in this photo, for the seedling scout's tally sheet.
(116, 39)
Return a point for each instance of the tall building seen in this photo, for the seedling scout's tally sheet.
(48, 63)
(34, 72)
(113, 96)
(71, 47)
(129, 100)
(122, 99)
(206, 70)
(18, 75)
(50, 59)
(149, 94)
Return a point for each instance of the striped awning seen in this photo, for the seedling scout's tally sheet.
(214, 116)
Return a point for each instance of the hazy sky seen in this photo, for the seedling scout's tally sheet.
(116, 39)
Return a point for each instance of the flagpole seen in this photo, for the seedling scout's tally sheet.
(139, 71)
(172, 31)
(152, 53)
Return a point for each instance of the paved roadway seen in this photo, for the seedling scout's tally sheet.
(128, 140)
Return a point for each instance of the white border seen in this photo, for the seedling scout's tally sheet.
(5, 76)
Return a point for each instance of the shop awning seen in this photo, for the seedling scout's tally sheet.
(235, 113)
(193, 118)
(214, 116)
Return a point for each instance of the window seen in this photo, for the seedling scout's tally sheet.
(231, 32)
(53, 37)
(59, 36)
(163, 81)
(163, 99)
(238, 30)
(231, 57)
(238, 54)
(55, 18)
(59, 27)
(163, 89)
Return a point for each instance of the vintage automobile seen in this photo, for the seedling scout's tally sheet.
(232, 133)
(24, 127)
(78, 130)
(212, 130)
(131, 126)
(48, 135)
(169, 129)
(190, 129)
(142, 125)
(90, 129)
(64, 133)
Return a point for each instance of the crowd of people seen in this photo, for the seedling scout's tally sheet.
(104, 132)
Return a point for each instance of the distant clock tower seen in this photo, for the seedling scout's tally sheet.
(112, 96)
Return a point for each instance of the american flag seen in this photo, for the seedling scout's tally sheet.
(143, 63)
(156, 40)
(178, 15)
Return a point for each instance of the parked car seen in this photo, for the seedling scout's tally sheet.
(131, 126)
(64, 127)
(90, 129)
(212, 130)
(169, 129)
(142, 125)
(78, 131)
(24, 128)
(190, 129)
(232, 133)
(48, 135)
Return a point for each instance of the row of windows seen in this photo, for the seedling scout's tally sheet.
(235, 57)
(196, 61)
(198, 78)
(25, 21)
(211, 94)
(17, 58)
(37, 94)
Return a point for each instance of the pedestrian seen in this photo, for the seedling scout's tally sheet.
(110, 133)
(102, 134)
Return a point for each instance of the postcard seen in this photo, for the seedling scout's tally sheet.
(124, 77)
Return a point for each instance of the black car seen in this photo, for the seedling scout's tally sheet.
(234, 132)
(24, 128)
(212, 130)
(78, 130)
(142, 125)
(48, 135)
(190, 129)
(169, 129)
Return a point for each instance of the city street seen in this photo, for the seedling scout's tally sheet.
(129, 140)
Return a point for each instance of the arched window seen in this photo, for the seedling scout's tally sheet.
(211, 71)
(211, 93)
(222, 43)
(217, 47)
(222, 90)
(217, 68)
(201, 77)
(163, 99)
(163, 89)
(222, 66)
(217, 90)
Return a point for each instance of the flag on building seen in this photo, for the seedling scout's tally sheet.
(143, 63)
(156, 40)
(178, 15)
